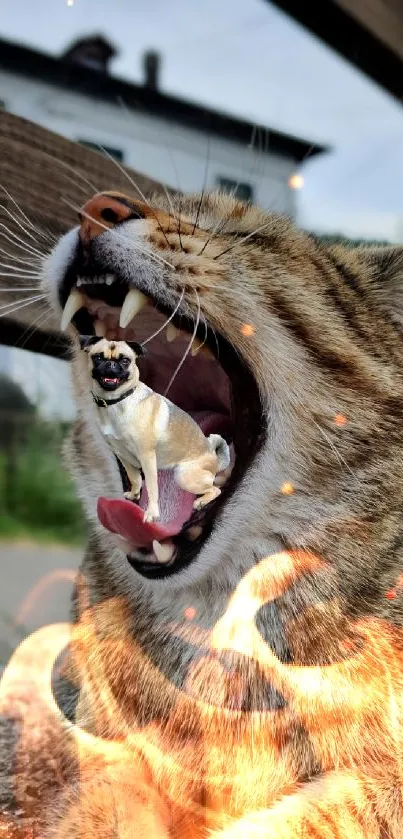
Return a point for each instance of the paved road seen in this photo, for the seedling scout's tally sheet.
(35, 588)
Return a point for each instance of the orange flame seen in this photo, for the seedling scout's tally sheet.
(44, 584)
(209, 766)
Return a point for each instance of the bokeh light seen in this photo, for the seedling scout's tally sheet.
(296, 181)
(247, 330)
(287, 488)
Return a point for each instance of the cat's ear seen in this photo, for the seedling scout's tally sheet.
(386, 275)
(88, 341)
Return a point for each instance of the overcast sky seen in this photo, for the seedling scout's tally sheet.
(247, 58)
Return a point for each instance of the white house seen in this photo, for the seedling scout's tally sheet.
(178, 142)
(174, 141)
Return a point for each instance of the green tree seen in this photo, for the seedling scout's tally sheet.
(16, 416)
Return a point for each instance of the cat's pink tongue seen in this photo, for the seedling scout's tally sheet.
(176, 506)
(126, 518)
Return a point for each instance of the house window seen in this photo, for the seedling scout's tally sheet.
(240, 190)
(116, 153)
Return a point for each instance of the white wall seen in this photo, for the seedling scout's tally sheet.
(45, 380)
(156, 147)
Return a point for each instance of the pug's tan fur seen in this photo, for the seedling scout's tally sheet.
(148, 432)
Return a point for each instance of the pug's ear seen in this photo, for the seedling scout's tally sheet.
(88, 341)
(137, 349)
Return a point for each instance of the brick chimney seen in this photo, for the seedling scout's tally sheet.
(151, 68)
(94, 52)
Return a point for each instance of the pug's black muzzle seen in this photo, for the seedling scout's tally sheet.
(110, 374)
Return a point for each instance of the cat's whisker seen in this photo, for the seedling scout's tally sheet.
(17, 242)
(272, 207)
(234, 190)
(335, 451)
(206, 325)
(153, 256)
(30, 277)
(16, 269)
(154, 335)
(203, 320)
(136, 187)
(134, 184)
(221, 224)
(38, 323)
(44, 234)
(216, 342)
(233, 292)
(206, 167)
(74, 171)
(21, 304)
(217, 229)
(17, 221)
(188, 348)
(34, 261)
(244, 238)
(24, 299)
(27, 288)
(177, 217)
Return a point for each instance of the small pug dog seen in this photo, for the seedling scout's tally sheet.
(147, 432)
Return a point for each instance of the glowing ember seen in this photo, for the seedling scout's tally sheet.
(295, 181)
(247, 330)
(287, 488)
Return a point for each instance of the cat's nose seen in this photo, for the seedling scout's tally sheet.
(102, 212)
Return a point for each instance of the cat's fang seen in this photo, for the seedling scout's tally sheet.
(196, 346)
(200, 347)
(163, 551)
(75, 301)
(134, 301)
(171, 333)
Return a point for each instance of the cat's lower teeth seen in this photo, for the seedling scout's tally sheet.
(101, 280)
(163, 551)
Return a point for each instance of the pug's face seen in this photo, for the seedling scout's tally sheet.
(112, 364)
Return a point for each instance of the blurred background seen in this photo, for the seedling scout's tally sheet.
(296, 106)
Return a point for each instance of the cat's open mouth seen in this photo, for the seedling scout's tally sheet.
(200, 372)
